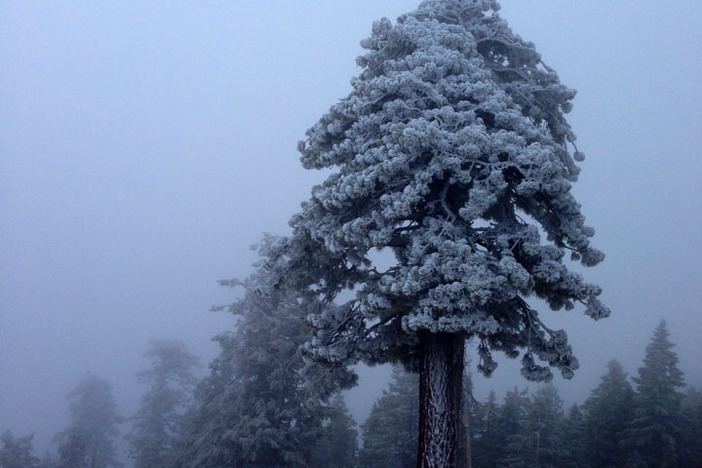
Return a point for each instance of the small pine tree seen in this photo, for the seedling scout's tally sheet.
(574, 439)
(654, 434)
(486, 443)
(692, 414)
(511, 426)
(72, 450)
(90, 440)
(539, 441)
(263, 404)
(158, 424)
(16, 452)
(608, 411)
(337, 442)
(390, 432)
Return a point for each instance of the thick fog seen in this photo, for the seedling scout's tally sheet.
(145, 146)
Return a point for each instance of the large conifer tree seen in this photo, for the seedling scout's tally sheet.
(452, 152)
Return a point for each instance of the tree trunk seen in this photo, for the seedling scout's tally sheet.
(467, 461)
(440, 389)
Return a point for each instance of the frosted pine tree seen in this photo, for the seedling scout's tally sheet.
(158, 424)
(451, 154)
(256, 409)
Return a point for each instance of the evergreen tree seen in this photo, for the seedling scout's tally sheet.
(262, 405)
(337, 442)
(468, 409)
(486, 443)
(539, 441)
(511, 423)
(158, 425)
(574, 439)
(390, 432)
(89, 441)
(452, 141)
(692, 416)
(72, 450)
(17, 452)
(654, 433)
(608, 411)
(208, 426)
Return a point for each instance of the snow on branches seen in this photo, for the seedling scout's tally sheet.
(453, 152)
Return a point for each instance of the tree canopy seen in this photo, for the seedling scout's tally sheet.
(452, 152)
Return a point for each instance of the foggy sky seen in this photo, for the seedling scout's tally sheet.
(144, 146)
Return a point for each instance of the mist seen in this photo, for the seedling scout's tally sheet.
(145, 147)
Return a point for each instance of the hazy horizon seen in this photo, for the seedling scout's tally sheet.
(147, 146)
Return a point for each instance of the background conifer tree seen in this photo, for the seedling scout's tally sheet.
(539, 440)
(487, 443)
(510, 423)
(90, 440)
(608, 412)
(390, 432)
(654, 433)
(158, 424)
(692, 418)
(575, 455)
(337, 441)
(16, 452)
(262, 404)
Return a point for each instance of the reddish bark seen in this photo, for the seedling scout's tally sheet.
(440, 390)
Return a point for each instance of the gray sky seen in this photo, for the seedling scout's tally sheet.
(144, 146)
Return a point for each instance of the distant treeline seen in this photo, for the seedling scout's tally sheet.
(264, 405)
(654, 424)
